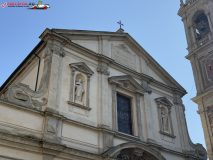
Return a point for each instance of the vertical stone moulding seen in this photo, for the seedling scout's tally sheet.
(138, 107)
(114, 108)
(72, 88)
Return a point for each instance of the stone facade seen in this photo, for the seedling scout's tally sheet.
(197, 16)
(73, 112)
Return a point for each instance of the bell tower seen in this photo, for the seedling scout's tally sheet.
(197, 17)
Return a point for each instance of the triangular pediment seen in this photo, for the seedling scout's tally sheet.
(82, 67)
(89, 40)
(127, 82)
(164, 101)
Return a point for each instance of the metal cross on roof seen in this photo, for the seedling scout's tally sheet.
(120, 24)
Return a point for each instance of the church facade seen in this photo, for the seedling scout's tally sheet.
(90, 95)
(197, 16)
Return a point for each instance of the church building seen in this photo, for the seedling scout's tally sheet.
(92, 95)
(197, 16)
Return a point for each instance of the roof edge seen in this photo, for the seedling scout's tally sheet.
(22, 63)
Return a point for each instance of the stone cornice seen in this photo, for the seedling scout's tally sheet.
(131, 40)
(21, 107)
(51, 35)
(40, 146)
(26, 143)
(198, 49)
(198, 98)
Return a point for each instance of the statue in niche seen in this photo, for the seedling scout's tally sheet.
(79, 90)
(164, 121)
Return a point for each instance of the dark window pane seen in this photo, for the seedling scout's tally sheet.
(124, 114)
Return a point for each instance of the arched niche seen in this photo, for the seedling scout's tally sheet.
(165, 120)
(80, 82)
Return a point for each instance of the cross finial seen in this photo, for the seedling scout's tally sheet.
(120, 24)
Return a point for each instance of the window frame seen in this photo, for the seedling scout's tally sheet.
(131, 114)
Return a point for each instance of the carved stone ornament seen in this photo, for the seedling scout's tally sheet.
(199, 151)
(21, 94)
(59, 51)
(146, 87)
(51, 124)
(103, 69)
(177, 99)
(131, 154)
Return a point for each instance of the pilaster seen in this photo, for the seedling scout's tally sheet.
(103, 45)
(180, 109)
(55, 76)
(103, 93)
(149, 117)
(52, 127)
(210, 22)
(108, 140)
(206, 125)
(188, 38)
(114, 108)
(198, 83)
(139, 119)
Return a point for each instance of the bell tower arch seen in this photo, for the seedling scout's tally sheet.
(197, 17)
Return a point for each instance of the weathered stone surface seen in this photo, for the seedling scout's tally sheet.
(85, 126)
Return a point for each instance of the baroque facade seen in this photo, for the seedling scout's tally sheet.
(97, 96)
(197, 16)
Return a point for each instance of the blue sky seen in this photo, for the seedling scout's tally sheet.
(155, 25)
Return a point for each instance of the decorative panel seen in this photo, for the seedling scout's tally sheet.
(206, 68)
(123, 56)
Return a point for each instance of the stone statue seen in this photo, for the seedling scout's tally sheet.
(164, 121)
(79, 90)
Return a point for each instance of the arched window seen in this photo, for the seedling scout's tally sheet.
(201, 25)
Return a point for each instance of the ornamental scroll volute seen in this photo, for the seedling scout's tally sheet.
(21, 93)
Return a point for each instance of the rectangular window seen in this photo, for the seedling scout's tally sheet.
(124, 114)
